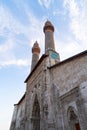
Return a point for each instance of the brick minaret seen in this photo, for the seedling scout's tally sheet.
(35, 54)
(49, 37)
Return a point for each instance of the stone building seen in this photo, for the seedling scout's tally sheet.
(56, 91)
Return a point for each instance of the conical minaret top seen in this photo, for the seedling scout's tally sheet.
(35, 54)
(49, 37)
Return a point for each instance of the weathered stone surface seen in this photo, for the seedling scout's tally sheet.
(56, 96)
(57, 89)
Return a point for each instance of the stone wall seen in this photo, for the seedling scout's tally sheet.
(70, 74)
(36, 85)
(39, 84)
(70, 80)
(18, 119)
(61, 97)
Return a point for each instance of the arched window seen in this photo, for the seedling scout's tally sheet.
(73, 119)
(36, 114)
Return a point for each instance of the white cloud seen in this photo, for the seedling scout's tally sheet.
(7, 57)
(10, 27)
(58, 12)
(67, 50)
(17, 62)
(78, 19)
(45, 3)
(35, 29)
(8, 23)
(6, 50)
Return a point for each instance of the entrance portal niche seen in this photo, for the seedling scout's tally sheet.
(36, 115)
(73, 119)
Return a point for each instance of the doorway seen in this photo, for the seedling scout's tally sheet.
(77, 126)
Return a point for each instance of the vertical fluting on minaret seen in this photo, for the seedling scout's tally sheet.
(35, 54)
(49, 37)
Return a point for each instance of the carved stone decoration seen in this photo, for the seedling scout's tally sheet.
(45, 110)
(55, 90)
(23, 121)
(51, 125)
(73, 119)
(72, 114)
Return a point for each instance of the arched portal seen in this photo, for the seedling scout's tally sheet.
(73, 119)
(36, 114)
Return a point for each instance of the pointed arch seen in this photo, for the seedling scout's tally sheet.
(36, 108)
(73, 118)
(71, 113)
(36, 114)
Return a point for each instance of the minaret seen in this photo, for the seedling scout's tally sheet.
(35, 54)
(49, 43)
(49, 37)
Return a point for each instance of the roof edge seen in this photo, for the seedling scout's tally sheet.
(20, 99)
(40, 60)
(69, 59)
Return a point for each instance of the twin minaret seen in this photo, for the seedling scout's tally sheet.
(48, 29)
(35, 54)
(49, 37)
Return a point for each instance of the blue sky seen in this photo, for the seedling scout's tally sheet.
(21, 24)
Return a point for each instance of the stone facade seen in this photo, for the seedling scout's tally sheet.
(56, 96)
